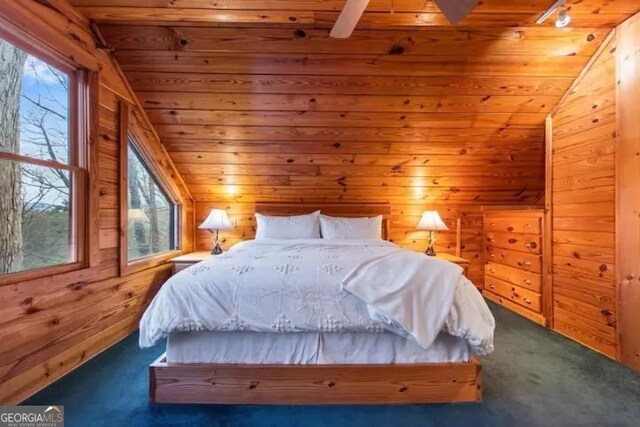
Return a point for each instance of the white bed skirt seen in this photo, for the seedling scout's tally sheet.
(310, 348)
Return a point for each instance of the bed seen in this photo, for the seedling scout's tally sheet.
(303, 322)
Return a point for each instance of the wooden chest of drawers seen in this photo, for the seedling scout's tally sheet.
(513, 258)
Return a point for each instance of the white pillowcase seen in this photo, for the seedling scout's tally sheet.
(351, 228)
(288, 227)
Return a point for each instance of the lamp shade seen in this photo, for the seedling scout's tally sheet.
(217, 220)
(431, 221)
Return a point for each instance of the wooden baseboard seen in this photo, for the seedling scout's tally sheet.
(314, 384)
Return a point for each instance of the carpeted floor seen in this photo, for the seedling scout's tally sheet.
(534, 378)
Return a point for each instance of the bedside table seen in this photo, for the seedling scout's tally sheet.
(187, 260)
(462, 262)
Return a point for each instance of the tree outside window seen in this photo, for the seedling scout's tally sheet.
(150, 215)
(37, 171)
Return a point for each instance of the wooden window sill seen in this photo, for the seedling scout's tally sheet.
(148, 262)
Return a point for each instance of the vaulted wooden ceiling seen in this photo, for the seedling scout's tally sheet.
(255, 101)
(323, 13)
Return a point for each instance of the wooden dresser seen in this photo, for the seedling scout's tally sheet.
(513, 258)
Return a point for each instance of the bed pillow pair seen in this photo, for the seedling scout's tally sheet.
(288, 227)
(351, 228)
(315, 225)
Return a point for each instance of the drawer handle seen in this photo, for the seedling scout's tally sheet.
(527, 300)
(492, 255)
(528, 282)
(530, 245)
(491, 270)
(527, 263)
(492, 286)
(527, 226)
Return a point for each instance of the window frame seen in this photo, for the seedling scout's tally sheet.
(130, 131)
(82, 166)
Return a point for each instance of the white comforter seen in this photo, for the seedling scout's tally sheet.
(319, 285)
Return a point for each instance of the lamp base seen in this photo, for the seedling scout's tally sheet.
(430, 251)
(432, 241)
(217, 250)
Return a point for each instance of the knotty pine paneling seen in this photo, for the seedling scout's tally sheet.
(323, 13)
(408, 110)
(583, 208)
(443, 117)
(628, 181)
(440, 40)
(55, 323)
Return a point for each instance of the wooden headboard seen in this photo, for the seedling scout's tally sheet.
(349, 210)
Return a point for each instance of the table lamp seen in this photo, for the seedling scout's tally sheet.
(432, 222)
(216, 221)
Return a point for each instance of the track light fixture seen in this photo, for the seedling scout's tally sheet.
(563, 17)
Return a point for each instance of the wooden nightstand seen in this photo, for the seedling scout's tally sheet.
(187, 260)
(462, 262)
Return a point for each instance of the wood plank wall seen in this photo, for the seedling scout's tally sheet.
(51, 325)
(628, 192)
(439, 118)
(584, 209)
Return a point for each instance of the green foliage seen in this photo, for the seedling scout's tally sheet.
(45, 238)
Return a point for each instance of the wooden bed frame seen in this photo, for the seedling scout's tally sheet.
(316, 384)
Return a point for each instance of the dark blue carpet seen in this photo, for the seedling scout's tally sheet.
(534, 378)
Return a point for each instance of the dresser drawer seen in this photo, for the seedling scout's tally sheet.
(517, 308)
(523, 224)
(517, 294)
(525, 279)
(529, 243)
(522, 260)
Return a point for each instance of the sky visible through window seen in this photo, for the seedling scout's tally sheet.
(36, 212)
(44, 128)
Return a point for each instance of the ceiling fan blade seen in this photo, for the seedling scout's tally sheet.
(456, 10)
(348, 18)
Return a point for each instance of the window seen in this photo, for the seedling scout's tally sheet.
(151, 215)
(42, 165)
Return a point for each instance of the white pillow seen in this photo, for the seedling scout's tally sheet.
(288, 227)
(351, 228)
